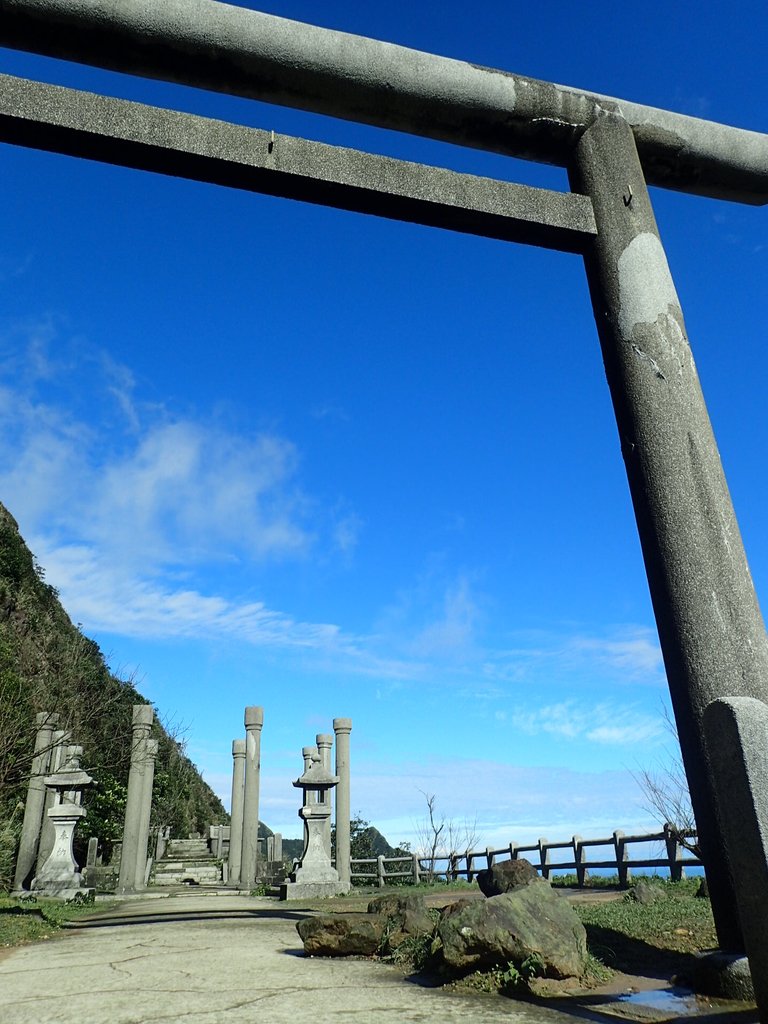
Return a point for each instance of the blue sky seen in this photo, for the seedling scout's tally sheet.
(276, 454)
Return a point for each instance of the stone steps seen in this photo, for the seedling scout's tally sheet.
(176, 872)
(187, 849)
(187, 860)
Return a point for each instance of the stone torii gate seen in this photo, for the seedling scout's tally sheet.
(710, 626)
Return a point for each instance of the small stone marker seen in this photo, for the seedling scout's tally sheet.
(736, 730)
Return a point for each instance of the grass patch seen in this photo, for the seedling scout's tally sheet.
(637, 937)
(571, 881)
(33, 920)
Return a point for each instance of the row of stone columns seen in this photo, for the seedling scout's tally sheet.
(244, 828)
(138, 806)
(242, 864)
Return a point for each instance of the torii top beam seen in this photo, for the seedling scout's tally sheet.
(234, 50)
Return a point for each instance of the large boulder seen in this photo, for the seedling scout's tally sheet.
(405, 916)
(506, 876)
(340, 935)
(531, 921)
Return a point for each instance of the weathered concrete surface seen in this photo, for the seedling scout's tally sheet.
(149, 138)
(710, 626)
(215, 959)
(230, 49)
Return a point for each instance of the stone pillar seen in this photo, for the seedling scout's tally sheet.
(236, 815)
(710, 626)
(254, 720)
(324, 743)
(35, 802)
(737, 740)
(308, 753)
(342, 727)
(142, 841)
(143, 716)
(57, 757)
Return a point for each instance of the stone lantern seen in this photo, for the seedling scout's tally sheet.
(60, 875)
(315, 875)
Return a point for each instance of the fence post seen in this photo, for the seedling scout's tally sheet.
(469, 856)
(453, 863)
(674, 852)
(416, 868)
(488, 858)
(380, 872)
(544, 858)
(513, 851)
(621, 858)
(580, 859)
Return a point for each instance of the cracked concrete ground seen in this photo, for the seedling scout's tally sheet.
(219, 960)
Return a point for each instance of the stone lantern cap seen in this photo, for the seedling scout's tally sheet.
(70, 775)
(315, 776)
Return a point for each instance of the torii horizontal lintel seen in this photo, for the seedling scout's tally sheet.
(231, 49)
(129, 134)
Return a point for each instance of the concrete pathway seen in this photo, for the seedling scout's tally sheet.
(216, 959)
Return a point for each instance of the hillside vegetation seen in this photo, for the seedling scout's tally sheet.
(47, 664)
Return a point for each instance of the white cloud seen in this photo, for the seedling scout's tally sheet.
(604, 723)
(190, 491)
(111, 601)
(82, 458)
(454, 630)
(637, 652)
(627, 653)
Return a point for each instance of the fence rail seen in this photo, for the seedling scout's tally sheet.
(452, 866)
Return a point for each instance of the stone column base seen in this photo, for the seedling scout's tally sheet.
(63, 892)
(312, 890)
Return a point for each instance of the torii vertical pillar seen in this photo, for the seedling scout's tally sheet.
(342, 727)
(143, 716)
(236, 815)
(35, 802)
(710, 626)
(254, 721)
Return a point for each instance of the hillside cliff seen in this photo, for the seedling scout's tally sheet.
(47, 664)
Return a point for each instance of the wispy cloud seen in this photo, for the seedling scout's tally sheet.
(452, 631)
(630, 653)
(605, 723)
(110, 600)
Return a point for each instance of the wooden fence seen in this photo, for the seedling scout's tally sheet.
(466, 865)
